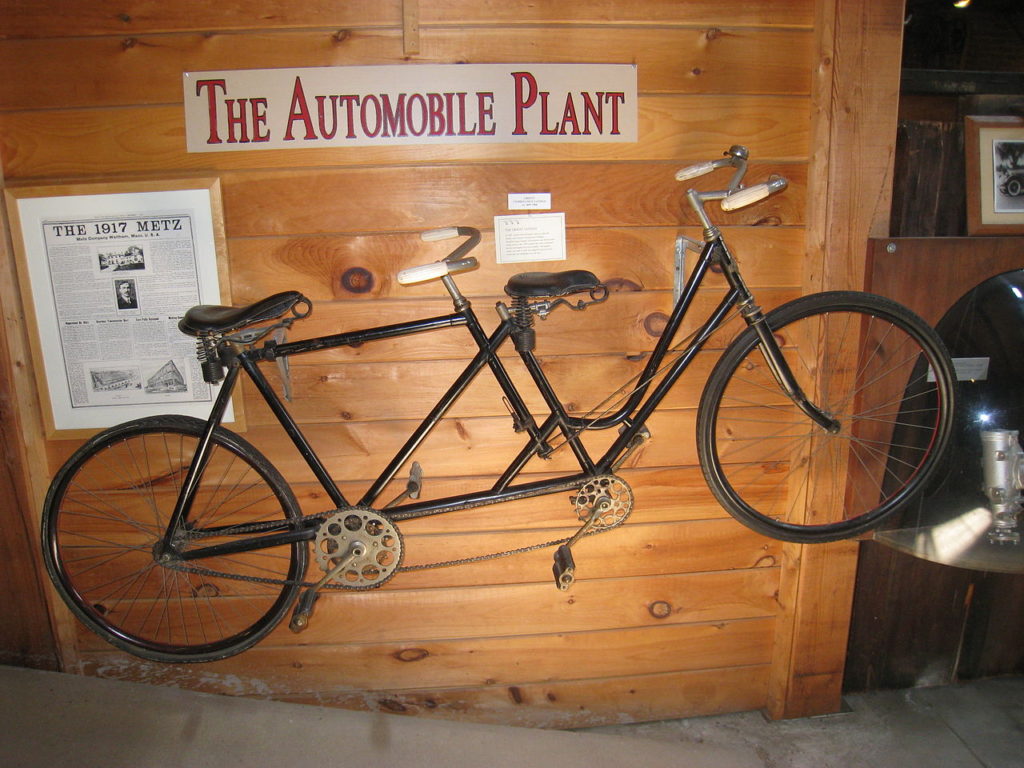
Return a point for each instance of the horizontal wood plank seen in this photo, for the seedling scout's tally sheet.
(429, 615)
(680, 128)
(570, 704)
(392, 199)
(329, 267)
(147, 69)
(26, 18)
(498, 661)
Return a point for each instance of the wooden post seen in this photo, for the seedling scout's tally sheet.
(26, 636)
(855, 100)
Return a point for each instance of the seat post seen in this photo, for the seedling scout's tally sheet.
(460, 301)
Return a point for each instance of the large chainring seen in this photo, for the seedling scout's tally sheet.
(615, 497)
(370, 542)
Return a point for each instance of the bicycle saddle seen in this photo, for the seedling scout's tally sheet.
(213, 318)
(541, 284)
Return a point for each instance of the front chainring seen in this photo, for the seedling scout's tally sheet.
(381, 553)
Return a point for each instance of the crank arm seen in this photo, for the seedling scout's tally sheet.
(564, 568)
(600, 506)
(304, 608)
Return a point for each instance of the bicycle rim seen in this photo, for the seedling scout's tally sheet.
(871, 365)
(109, 506)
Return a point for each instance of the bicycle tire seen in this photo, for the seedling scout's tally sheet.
(782, 475)
(110, 503)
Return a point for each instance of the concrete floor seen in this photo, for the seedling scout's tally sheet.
(53, 719)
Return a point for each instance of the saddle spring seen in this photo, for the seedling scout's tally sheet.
(209, 358)
(524, 335)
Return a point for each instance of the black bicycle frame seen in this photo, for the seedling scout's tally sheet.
(632, 415)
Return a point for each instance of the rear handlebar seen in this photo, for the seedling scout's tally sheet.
(456, 261)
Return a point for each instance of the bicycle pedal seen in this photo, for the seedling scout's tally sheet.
(413, 486)
(303, 611)
(564, 568)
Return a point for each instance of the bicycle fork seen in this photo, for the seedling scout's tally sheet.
(769, 346)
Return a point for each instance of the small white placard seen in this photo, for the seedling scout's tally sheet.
(971, 368)
(529, 201)
(967, 369)
(534, 237)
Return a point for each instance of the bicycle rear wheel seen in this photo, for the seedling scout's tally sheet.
(872, 365)
(109, 506)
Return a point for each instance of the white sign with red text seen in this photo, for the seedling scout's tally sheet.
(409, 104)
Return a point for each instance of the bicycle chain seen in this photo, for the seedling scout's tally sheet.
(202, 571)
(256, 527)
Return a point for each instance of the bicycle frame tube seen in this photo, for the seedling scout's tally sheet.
(202, 455)
(668, 381)
(709, 255)
(634, 413)
(486, 356)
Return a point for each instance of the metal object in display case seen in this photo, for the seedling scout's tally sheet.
(969, 518)
(1003, 471)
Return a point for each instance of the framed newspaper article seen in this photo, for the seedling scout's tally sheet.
(106, 271)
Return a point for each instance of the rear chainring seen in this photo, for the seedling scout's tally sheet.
(617, 499)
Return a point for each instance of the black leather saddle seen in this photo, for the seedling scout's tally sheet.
(213, 318)
(547, 284)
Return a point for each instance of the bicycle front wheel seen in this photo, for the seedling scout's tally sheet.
(871, 365)
(109, 506)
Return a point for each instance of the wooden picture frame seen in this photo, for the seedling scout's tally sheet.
(105, 271)
(994, 149)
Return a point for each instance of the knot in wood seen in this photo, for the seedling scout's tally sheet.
(357, 280)
(621, 284)
(655, 324)
(660, 609)
(411, 654)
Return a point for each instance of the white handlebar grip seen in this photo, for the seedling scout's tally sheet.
(753, 194)
(439, 234)
(422, 273)
(693, 171)
(745, 197)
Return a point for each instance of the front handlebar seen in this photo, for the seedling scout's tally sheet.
(735, 196)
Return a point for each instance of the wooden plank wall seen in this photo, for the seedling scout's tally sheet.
(674, 614)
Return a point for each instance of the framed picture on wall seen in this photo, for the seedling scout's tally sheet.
(106, 271)
(995, 175)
